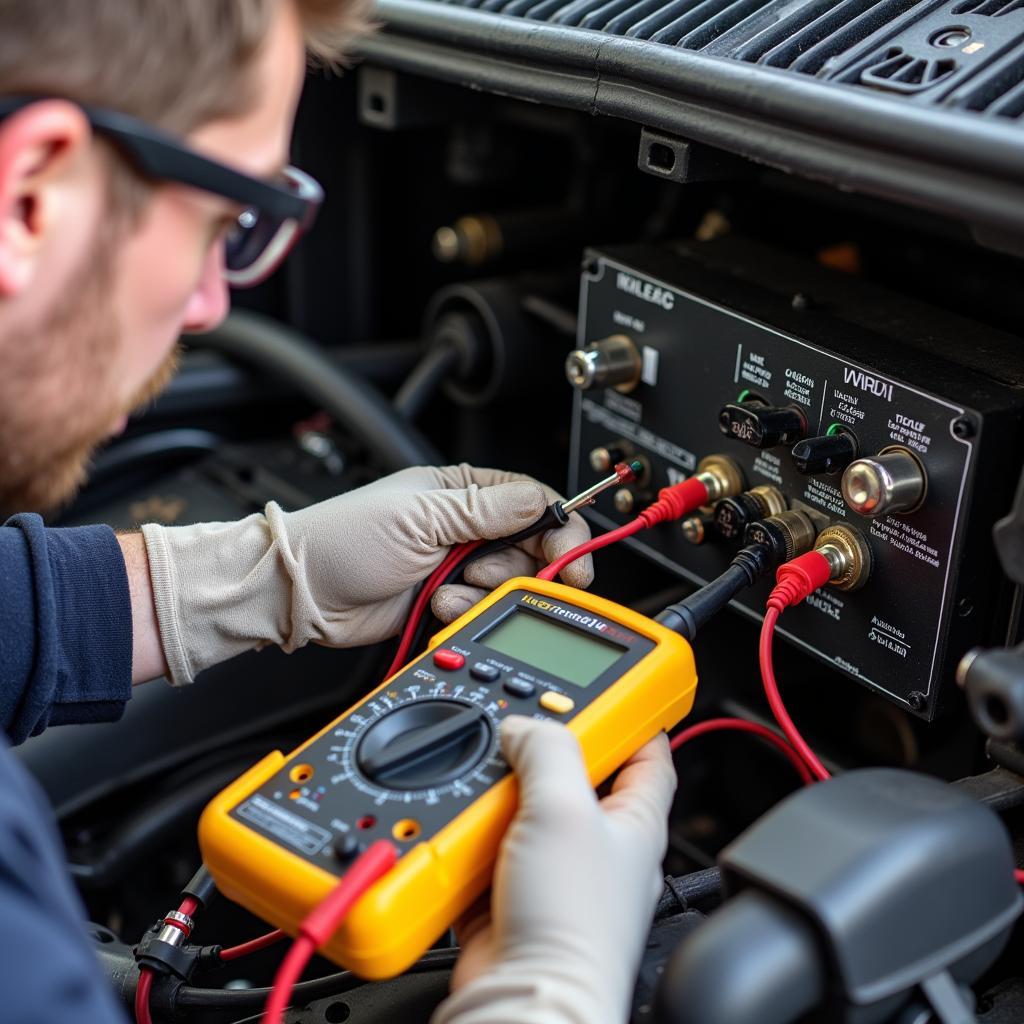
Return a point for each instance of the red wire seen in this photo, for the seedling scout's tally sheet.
(188, 906)
(771, 690)
(673, 502)
(323, 921)
(742, 725)
(253, 945)
(435, 579)
(142, 996)
(549, 572)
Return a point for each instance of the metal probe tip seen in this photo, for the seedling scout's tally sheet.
(628, 471)
(624, 472)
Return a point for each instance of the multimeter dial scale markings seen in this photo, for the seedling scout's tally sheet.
(363, 763)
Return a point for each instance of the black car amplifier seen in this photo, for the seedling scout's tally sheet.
(849, 403)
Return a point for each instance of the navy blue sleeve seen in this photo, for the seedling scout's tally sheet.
(48, 969)
(65, 626)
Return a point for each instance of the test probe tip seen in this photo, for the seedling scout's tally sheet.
(628, 471)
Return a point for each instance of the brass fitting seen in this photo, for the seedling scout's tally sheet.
(785, 534)
(697, 528)
(722, 477)
(848, 554)
(473, 240)
(771, 499)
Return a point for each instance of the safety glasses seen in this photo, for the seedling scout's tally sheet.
(274, 217)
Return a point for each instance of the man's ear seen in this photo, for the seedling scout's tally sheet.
(40, 148)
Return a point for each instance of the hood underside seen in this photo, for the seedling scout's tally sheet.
(916, 102)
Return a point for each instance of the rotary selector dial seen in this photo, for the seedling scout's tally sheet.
(418, 742)
(423, 745)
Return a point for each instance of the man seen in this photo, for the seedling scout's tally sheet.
(113, 240)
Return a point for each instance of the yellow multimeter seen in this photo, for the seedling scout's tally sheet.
(418, 762)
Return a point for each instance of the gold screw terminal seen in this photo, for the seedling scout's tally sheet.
(848, 555)
(623, 501)
(605, 457)
(695, 528)
(721, 475)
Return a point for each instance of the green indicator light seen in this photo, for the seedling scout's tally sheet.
(637, 466)
(834, 429)
(744, 395)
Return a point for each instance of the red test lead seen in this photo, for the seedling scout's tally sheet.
(324, 920)
(717, 477)
(796, 581)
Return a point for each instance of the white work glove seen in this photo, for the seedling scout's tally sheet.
(574, 892)
(343, 572)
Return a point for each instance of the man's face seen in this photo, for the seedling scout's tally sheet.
(90, 317)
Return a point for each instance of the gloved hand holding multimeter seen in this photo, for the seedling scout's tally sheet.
(419, 761)
(561, 935)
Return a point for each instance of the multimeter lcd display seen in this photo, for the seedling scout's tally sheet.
(551, 647)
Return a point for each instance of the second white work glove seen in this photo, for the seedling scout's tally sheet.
(342, 572)
(574, 890)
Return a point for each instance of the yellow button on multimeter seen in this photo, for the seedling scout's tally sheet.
(418, 761)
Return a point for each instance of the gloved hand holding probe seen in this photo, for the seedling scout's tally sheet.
(342, 572)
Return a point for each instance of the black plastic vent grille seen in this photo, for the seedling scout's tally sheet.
(967, 54)
(989, 8)
(898, 71)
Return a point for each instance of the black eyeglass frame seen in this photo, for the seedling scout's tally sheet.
(161, 156)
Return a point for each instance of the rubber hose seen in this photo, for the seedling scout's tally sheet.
(698, 889)
(754, 961)
(256, 340)
(421, 385)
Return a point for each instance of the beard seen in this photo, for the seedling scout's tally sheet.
(58, 394)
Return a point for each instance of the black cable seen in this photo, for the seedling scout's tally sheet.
(700, 889)
(687, 616)
(552, 518)
(428, 621)
(422, 383)
(201, 886)
(350, 400)
(160, 444)
(305, 991)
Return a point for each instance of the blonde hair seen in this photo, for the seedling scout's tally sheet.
(177, 64)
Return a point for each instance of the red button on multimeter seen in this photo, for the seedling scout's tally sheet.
(419, 761)
(448, 660)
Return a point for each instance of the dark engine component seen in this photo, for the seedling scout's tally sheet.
(836, 901)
